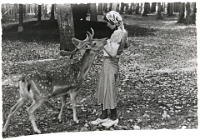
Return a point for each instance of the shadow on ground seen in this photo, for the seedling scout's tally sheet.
(49, 31)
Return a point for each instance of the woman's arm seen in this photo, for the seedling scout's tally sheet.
(111, 48)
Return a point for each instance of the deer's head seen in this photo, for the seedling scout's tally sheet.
(88, 44)
(95, 44)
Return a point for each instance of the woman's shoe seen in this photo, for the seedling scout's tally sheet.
(110, 123)
(98, 121)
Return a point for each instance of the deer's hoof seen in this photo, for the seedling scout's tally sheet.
(77, 121)
(37, 131)
(4, 130)
(60, 121)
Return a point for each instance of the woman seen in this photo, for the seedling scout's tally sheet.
(106, 91)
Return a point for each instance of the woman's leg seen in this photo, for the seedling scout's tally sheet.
(113, 113)
(103, 117)
(104, 114)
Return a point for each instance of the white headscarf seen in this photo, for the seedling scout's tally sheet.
(115, 18)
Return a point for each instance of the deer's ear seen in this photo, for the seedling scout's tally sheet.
(75, 41)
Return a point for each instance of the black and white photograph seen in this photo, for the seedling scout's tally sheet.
(97, 67)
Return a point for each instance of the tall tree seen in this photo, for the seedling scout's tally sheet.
(20, 27)
(163, 7)
(137, 12)
(45, 11)
(122, 8)
(153, 7)
(24, 10)
(145, 9)
(131, 8)
(170, 9)
(11, 9)
(159, 15)
(39, 22)
(148, 7)
(190, 13)
(105, 7)
(114, 6)
(36, 9)
(93, 12)
(177, 6)
(126, 8)
(117, 9)
(15, 11)
(28, 8)
(52, 18)
(66, 26)
(100, 8)
(109, 6)
(55, 7)
(181, 13)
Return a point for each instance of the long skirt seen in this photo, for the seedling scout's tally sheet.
(106, 90)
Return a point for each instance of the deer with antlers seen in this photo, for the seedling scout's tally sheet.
(59, 82)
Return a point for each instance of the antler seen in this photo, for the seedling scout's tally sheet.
(78, 45)
(91, 35)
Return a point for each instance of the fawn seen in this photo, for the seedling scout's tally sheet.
(58, 83)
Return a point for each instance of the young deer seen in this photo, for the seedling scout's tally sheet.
(59, 82)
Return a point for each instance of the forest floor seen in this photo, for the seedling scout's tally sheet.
(157, 85)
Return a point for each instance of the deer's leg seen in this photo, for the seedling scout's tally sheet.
(19, 103)
(31, 109)
(73, 102)
(63, 101)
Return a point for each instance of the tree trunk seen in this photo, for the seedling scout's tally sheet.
(11, 9)
(39, 22)
(131, 9)
(100, 9)
(55, 11)
(3, 10)
(137, 9)
(44, 15)
(190, 13)
(117, 9)
(163, 7)
(122, 8)
(159, 15)
(24, 10)
(193, 13)
(177, 6)
(66, 26)
(114, 6)
(153, 7)
(145, 9)
(52, 18)
(20, 27)
(105, 7)
(181, 13)
(93, 12)
(109, 6)
(170, 9)
(126, 8)
(35, 9)
(148, 7)
(15, 11)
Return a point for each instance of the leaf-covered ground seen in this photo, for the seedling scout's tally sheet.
(157, 81)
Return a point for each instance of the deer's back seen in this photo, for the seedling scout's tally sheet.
(46, 83)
